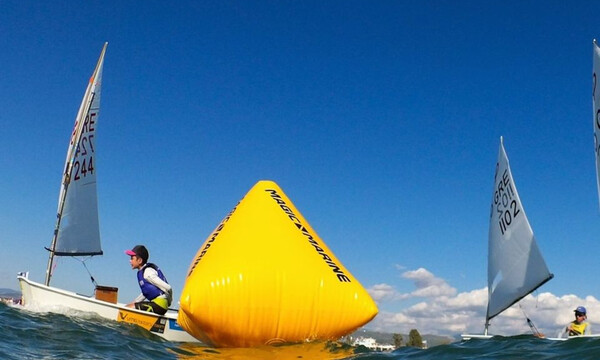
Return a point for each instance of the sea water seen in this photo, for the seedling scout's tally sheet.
(29, 335)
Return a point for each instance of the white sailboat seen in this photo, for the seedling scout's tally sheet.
(515, 264)
(77, 231)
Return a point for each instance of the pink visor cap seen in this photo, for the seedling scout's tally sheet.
(139, 251)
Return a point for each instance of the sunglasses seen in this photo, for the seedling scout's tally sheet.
(579, 314)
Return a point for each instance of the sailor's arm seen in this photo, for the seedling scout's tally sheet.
(152, 276)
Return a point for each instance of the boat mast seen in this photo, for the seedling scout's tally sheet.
(487, 319)
(72, 152)
(65, 184)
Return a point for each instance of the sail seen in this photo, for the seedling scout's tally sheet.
(78, 231)
(515, 264)
(596, 103)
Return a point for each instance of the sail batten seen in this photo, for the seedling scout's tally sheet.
(516, 267)
(78, 253)
(77, 230)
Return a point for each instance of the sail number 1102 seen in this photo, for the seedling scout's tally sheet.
(505, 201)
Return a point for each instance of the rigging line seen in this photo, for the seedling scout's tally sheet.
(86, 269)
(534, 329)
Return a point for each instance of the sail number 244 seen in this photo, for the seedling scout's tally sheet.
(84, 159)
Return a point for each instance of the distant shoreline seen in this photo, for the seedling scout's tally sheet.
(9, 293)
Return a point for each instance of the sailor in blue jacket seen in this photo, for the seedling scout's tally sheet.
(156, 294)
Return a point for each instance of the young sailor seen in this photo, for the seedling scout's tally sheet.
(578, 326)
(156, 294)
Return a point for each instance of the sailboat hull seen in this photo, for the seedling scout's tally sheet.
(465, 337)
(575, 337)
(39, 297)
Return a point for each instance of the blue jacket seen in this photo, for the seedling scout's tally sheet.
(149, 290)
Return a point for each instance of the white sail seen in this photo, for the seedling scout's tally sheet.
(515, 264)
(77, 231)
(596, 103)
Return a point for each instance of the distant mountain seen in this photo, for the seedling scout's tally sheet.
(9, 293)
(388, 338)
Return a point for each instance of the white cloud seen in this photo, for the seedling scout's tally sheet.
(400, 267)
(428, 285)
(385, 292)
(443, 311)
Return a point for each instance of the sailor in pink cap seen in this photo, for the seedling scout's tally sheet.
(156, 294)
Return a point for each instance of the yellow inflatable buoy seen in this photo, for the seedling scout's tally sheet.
(328, 350)
(263, 276)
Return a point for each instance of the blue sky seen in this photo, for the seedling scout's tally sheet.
(379, 120)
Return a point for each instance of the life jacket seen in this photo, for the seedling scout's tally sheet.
(577, 329)
(149, 290)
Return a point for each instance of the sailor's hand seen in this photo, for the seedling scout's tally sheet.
(570, 328)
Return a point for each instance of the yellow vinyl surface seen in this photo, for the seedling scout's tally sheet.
(264, 276)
